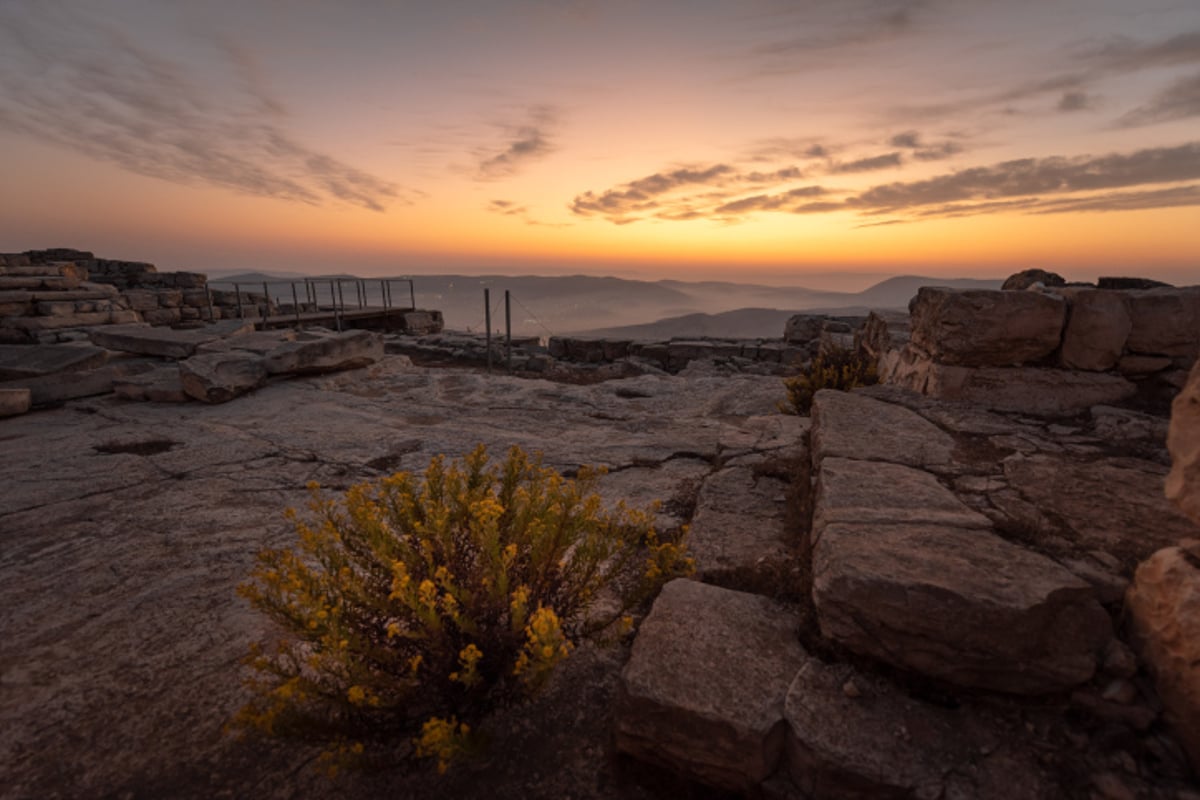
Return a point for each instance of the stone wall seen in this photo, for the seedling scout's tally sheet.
(1048, 351)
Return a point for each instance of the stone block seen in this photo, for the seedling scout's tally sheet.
(220, 377)
(340, 351)
(958, 605)
(1183, 442)
(704, 688)
(1166, 322)
(163, 342)
(141, 299)
(1098, 324)
(851, 425)
(25, 361)
(738, 533)
(984, 327)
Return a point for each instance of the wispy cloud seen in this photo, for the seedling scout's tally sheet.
(1075, 101)
(1179, 100)
(869, 164)
(1114, 182)
(1126, 54)
(524, 144)
(70, 79)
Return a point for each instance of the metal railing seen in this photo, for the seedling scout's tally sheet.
(363, 292)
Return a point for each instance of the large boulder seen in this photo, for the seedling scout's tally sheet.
(325, 353)
(960, 605)
(882, 331)
(704, 688)
(803, 328)
(1097, 326)
(1163, 606)
(1028, 277)
(985, 327)
(220, 377)
(1183, 440)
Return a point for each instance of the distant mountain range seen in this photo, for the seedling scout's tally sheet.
(622, 307)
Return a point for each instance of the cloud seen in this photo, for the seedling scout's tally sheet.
(912, 141)
(868, 164)
(1075, 101)
(1127, 55)
(1114, 182)
(764, 202)
(641, 195)
(1032, 177)
(849, 23)
(527, 143)
(77, 83)
(1178, 101)
(782, 147)
(909, 139)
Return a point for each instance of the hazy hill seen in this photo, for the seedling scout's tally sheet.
(544, 305)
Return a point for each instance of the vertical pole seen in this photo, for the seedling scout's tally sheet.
(487, 324)
(412, 296)
(341, 304)
(266, 303)
(238, 290)
(507, 332)
(295, 304)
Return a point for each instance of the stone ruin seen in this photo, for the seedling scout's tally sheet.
(983, 566)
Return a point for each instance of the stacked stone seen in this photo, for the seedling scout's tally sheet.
(1050, 351)
(50, 302)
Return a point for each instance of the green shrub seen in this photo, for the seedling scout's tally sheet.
(414, 605)
(838, 369)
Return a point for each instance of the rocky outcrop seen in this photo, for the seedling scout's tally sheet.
(1164, 619)
(704, 688)
(1044, 351)
(986, 328)
(164, 342)
(220, 377)
(324, 353)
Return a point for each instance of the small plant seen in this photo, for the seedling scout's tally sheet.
(414, 605)
(838, 369)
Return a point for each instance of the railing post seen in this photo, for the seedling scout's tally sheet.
(507, 332)
(296, 304)
(487, 324)
(238, 290)
(412, 296)
(266, 304)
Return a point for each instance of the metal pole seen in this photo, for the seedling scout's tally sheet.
(412, 296)
(296, 304)
(238, 290)
(266, 303)
(507, 332)
(383, 294)
(341, 305)
(487, 324)
(362, 293)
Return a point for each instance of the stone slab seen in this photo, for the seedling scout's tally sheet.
(986, 327)
(316, 354)
(164, 342)
(704, 688)
(851, 425)
(963, 606)
(876, 492)
(59, 387)
(162, 384)
(220, 377)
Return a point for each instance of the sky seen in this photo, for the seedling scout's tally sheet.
(795, 142)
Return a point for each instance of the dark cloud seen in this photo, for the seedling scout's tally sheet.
(73, 81)
(1178, 101)
(528, 142)
(852, 23)
(1075, 101)
(1127, 201)
(869, 164)
(912, 141)
(1032, 177)
(785, 174)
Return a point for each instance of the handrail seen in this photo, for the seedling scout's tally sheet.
(313, 289)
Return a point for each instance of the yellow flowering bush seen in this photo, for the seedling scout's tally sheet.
(415, 602)
(840, 369)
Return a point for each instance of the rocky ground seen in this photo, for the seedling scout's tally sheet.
(127, 526)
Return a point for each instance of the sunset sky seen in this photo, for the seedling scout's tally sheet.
(758, 140)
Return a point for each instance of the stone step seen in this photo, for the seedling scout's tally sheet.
(84, 319)
(164, 342)
(56, 282)
(57, 270)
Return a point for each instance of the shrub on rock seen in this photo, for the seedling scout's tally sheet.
(415, 604)
(839, 369)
